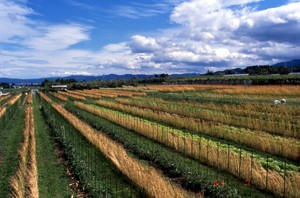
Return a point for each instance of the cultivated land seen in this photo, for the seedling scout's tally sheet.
(156, 141)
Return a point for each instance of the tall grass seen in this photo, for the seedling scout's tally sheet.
(45, 97)
(32, 173)
(224, 157)
(25, 182)
(270, 124)
(2, 111)
(14, 99)
(74, 96)
(142, 174)
(261, 141)
(4, 98)
(79, 93)
(256, 110)
(113, 93)
(59, 96)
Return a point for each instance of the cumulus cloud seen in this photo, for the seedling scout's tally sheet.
(214, 34)
(142, 44)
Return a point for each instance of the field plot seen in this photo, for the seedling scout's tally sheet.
(153, 141)
(235, 132)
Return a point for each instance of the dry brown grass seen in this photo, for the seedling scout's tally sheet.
(113, 93)
(142, 174)
(29, 98)
(45, 97)
(81, 93)
(286, 90)
(207, 151)
(25, 182)
(99, 94)
(14, 99)
(286, 126)
(4, 97)
(32, 173)
(258, 140)
(72, 95)
(2, 111)
(59, 96)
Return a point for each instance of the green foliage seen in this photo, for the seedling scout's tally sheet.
(10, 141)
(52, 176)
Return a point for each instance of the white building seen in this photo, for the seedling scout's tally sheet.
(60, 87)
(294, 73)
(236, 75)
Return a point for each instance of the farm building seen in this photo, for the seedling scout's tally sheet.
(294, 73)
(236, 75)
(4, 94)
(59, 87)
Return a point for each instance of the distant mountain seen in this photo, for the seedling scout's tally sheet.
(278, 68)
(289, 64)
(81, 78)
(295, 64)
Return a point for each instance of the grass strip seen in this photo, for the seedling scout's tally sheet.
(11, 137)
(52, 180)
(99, 177)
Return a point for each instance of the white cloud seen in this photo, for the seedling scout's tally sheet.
(58, 37)
(213, 34)
(142, 44)
(14, 21)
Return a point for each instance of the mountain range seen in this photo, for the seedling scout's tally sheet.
(80, 78)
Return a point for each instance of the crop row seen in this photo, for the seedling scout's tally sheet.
(113, 93)
(2, 98)
(59, 96)
(183, 170)
(7, 111)
(12, 125)
(2, 111)
(284, 128)
(95, 94)
(237, 161)
(81, 93)
(51, 171)
(221, 99)
(25, 182)
(265, 112)
(261, 141)
(74, 96)
(96, 174)
(143, 175)
(14, 99)
(226, 89)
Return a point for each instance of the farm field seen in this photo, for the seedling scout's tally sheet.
(152, 141)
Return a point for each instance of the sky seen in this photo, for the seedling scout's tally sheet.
(46, 38)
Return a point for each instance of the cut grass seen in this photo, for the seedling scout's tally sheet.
(53, 180)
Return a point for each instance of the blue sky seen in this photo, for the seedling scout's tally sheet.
(42, 38)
